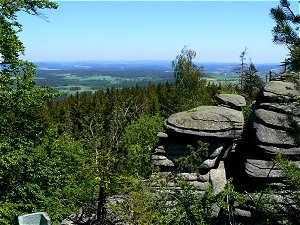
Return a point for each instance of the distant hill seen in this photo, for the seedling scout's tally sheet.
(92, 75)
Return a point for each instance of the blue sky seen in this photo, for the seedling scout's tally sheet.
(152, 30)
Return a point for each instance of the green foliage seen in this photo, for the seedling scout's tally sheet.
(191, 162)
(275, 206)
(186, 73)
(181, 205)
(53, 177)
(138, 142)
(191, 90)
(251, 84)
(286, 32)
(38, 170)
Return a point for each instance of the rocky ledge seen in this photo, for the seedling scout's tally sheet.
(271, 125)
(218, 126)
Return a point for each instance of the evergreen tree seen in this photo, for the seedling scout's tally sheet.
(286, 32)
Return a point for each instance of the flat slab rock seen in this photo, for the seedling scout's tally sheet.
(231, 100)
(285, 108)
(279, 90)
(217, 178)
(274, 118)
(272, 136)
(213, 121)
(264, 169)
(273, 150)
(172, 161)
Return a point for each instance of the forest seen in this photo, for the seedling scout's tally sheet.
(58, 155)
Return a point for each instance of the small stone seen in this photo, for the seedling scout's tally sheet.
(160, 160)
(162, 135)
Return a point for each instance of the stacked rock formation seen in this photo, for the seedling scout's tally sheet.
(219, 126)
(273, 114)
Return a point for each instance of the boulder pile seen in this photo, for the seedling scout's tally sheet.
(273, 115)
(186, 137)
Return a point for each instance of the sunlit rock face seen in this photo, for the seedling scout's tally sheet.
(273, 115)
(202, 136)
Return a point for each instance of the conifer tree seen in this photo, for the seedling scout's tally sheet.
(286, 32)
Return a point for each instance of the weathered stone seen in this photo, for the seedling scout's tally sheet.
(217, 178)
(171, 161)
(159, 150)
(273, 150)
(216, 152)
(194, 176)
(207, 118)
(242, 212)
(162, 135)
(207, 121)
(231, 100)
(274, 118)
(160, 160)
(262, 169)
(221, 134)
(200, 186)
(285, 108)
(273, 136)
(279, 91)
(185, 176)
(208, 163)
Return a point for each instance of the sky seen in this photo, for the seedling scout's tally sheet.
(152, 30)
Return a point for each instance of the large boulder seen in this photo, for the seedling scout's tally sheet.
(207, 121)
(290, 108)
(275, 119)
(231, 100)
(279, 91)
(274, 137)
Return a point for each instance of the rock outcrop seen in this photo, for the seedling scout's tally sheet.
(272, 119)
(185, 132)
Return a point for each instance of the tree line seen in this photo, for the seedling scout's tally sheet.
(59, 155)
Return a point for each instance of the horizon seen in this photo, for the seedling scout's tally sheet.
(153, 31)
(141, 61)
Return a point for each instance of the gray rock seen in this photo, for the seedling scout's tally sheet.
(207, 121)
(159, 150)
(279, 91)
(162, 135)
(171, 161)
(273, 150)
(231, 100)
(242, 212)
(274, 118)
(216, 152)
(273, 136)
(262, 169)
(221, 134)
(285, 108)
(185, 176)
(195, 177)
(200, 186)
(208, 163)
(217, 178)
(160, 160)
